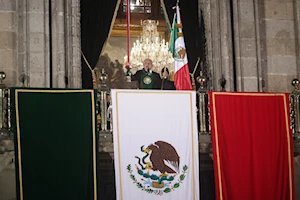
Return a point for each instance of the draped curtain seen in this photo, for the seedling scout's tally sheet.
(252, 146)
(96, 19)
(51, 162)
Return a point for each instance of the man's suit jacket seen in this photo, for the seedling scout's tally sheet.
(168, 85)
(156, 78)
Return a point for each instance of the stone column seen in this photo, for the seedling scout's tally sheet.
(8, 41)
(34, 43)
(73, 44)
(204, 8)
(59, 68)
(66, 57)
(217, 21)
(247, 45)
(22, 45)
(226, 44)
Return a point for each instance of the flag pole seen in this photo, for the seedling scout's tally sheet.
(170, 42)
(182, 75)
(128, 66)
(128, 29)
(164, 69)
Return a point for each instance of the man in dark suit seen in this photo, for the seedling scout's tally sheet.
(147, 78)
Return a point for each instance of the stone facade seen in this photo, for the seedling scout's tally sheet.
(8, 43)
(261, 40)
(28, 50)
(259, 37)
(279, 33)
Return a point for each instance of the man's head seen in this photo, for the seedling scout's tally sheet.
(148, 64)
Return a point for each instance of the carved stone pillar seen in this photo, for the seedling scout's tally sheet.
(8, 41)
(217, 22)
(39, 43)
(247, 44)
(66, 57)
(73, 36)
(33, 42)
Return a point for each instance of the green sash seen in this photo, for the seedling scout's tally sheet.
(146, 81)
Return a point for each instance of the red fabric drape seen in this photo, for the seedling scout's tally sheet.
(252, 146)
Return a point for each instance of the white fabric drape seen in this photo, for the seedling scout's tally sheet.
(166, 120)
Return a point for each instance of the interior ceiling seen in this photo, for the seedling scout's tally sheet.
(119, 28)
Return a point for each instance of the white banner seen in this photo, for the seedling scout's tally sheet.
(155, 145)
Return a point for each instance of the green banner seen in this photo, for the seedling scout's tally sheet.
(147, 81)
(55, 144)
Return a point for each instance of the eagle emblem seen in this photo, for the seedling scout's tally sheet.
(158, 170)
(147, 80)
(180, 53)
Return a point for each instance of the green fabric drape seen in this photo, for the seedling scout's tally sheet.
(96, 19)
(55, 144)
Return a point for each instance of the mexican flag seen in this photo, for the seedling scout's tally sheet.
(182, 79)
(156, 156)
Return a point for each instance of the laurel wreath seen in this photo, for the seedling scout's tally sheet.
(158, 192)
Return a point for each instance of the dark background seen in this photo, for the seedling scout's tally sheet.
(96, 19)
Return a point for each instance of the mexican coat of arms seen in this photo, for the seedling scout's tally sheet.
(159, 171)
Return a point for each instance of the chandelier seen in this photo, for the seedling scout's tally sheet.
(150, 45)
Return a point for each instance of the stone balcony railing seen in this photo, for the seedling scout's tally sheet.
(106, 147)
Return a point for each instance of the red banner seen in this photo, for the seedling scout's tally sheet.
(252, 146)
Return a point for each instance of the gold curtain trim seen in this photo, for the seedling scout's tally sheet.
(111, 25)
(179, 25)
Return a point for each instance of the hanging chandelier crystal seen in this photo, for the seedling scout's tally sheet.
(150, 45)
